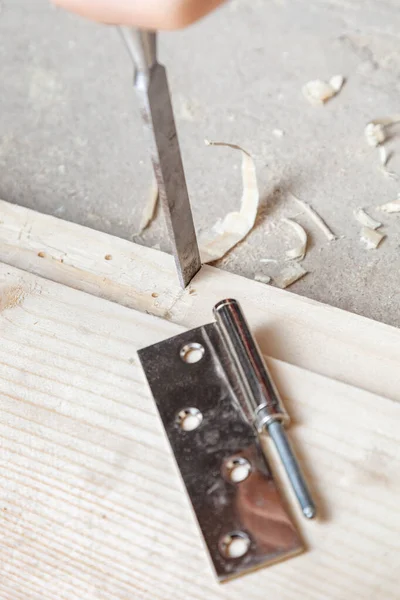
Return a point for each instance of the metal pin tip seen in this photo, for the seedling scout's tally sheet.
(309, 512)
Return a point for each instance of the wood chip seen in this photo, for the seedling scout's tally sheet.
(383, 156)
(289, 275)
(371, 238)
(375, 134)
(262, 278)
(364, 219)
(298, 251)
(376, 130)
(316, 218)
(215, 242)
(391, 207)
(318, 92)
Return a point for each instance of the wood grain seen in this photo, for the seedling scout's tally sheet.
(297, 330)
(91, 504)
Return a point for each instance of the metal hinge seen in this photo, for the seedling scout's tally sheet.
(216, 400)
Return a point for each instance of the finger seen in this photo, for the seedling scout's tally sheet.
(147, 14)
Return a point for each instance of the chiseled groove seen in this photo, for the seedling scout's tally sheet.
(101, 509)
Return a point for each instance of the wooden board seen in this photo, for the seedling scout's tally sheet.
(91, 505)
(297, 330)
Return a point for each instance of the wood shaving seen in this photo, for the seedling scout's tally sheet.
(214, 243)
(289, 275)
(371, 238)
(149, 208)
(375, 134)
(299, 251)
(384, 158)
(316, 218)
(262, 278)
(391, 207)
(318, 92)
(365, 219)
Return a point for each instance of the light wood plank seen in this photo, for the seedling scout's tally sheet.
(297, 330)
(91, 505)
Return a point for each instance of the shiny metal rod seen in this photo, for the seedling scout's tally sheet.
(261, 402)
(292, 468)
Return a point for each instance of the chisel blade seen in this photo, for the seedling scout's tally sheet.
(157, 113)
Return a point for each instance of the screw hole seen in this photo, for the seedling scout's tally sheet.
(237, 469)
(234, 545)
(192, 353)
(189, 419)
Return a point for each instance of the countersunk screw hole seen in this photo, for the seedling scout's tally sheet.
(237, 469)
(192, 353)
(189, 419)
(234, 545)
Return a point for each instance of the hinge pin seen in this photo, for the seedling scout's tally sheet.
(262, 405)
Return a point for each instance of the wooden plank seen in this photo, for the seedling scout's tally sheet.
(91, 505)
(297, 330)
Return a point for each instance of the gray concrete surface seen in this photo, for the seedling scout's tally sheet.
(71, 142)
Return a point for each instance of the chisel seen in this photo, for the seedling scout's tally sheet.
(151, 85)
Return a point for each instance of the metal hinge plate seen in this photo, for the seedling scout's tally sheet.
(239, 509)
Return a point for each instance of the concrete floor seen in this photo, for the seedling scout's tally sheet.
(71, 142)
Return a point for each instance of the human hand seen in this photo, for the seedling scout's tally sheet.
(145, 14)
